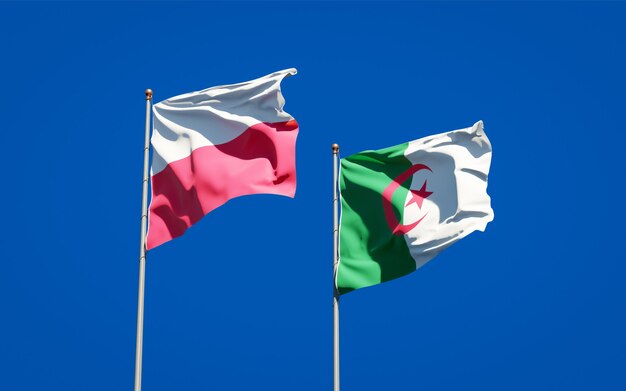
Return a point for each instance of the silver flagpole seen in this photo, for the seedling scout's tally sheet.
(335, 261)
(142, 247)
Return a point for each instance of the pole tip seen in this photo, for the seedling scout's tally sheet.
(148, 94)
(335, 148)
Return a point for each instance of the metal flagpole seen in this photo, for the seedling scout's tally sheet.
(335, 261)
(142, 247)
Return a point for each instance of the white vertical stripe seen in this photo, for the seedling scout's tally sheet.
(459, 203)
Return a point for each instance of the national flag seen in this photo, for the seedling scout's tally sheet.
(403, 205)
(216, 144)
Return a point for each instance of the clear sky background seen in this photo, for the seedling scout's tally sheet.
(243, 301)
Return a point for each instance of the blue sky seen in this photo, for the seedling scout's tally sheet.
(243, 301)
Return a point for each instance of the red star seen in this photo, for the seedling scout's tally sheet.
(419, 196)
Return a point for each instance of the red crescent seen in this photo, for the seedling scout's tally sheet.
(395, 226)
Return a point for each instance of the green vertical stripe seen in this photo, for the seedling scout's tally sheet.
(369, 252)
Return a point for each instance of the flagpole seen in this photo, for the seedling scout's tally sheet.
(335, 262)
(142, 246)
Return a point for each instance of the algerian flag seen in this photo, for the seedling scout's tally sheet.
(403, 205)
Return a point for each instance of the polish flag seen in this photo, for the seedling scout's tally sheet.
(216, 144)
